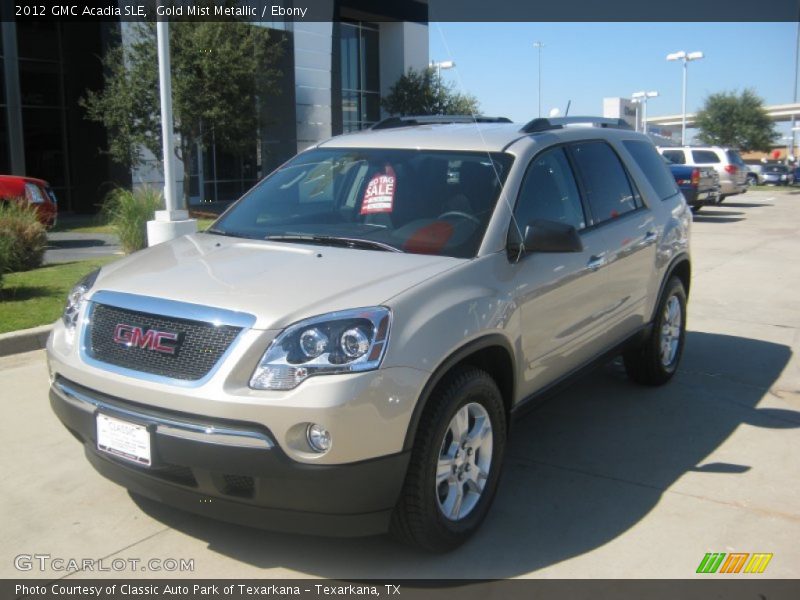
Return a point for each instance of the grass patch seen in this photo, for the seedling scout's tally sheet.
(34, 298)
(83, 224)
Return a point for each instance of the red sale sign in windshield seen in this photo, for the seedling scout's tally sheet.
(379, 196)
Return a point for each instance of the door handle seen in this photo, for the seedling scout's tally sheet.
(650, 237)
(596, 261)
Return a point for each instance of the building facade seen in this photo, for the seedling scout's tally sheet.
(333, 75)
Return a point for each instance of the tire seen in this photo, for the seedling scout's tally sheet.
(656, 359)
(419, 518)
(752, 179)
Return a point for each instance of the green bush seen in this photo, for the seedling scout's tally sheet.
(128, 213)
(25, 239)
(5, 249)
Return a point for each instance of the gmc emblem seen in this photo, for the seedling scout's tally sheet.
(135, 337)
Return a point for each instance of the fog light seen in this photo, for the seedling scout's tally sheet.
(318, 437)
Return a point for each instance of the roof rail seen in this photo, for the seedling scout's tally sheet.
(410, 121)
(543, 124)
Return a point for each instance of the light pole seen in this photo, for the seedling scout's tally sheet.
(636, 114)
(539, 46)
(686, 57)
(642, 97)
(439, 65)
(174, 221)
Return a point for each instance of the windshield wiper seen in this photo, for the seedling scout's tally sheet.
(332, 240)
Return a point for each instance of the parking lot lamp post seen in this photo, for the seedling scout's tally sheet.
(174, 221)
(686, 57)
(439, 65)
(642, 98)
(539, 46)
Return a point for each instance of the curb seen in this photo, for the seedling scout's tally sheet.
(25, 340)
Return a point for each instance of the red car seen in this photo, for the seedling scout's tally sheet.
(35, 192)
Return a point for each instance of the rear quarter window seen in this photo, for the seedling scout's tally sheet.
(656, 171)
(676, 157)
(704, 157)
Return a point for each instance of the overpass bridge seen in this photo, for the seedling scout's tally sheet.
(777, 112)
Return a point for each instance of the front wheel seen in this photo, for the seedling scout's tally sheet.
(655, 361)
(455, 463)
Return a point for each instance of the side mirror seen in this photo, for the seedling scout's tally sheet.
(548, 236)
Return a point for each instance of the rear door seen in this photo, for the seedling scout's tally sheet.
(629, 230)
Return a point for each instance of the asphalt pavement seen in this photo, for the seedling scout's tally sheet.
(68, 246)
(606, 480)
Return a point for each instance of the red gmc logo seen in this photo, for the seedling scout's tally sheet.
(132, 336)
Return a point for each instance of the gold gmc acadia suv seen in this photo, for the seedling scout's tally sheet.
(343, 350)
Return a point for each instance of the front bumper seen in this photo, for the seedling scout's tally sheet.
(234, 471)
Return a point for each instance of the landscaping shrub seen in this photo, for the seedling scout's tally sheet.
(128, 213)
(24, 238)
(5, 249)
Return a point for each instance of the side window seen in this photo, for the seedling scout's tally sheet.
(704, 157)
(657, 172)
(608, 189)
(549, 192)
(676, 157)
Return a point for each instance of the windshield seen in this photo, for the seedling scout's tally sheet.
(424, 202)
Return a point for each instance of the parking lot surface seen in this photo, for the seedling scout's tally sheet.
(606, 480)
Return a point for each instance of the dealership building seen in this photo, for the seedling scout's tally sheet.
(333, 75)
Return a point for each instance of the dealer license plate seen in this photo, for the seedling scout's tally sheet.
(123, 439)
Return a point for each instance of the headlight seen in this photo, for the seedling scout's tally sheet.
(341, 342)
(76, 299)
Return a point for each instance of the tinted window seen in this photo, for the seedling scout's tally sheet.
(704, 157)
(424, 202)
(733, 157)
(676, 157)
(607, 186)
(649, 161)
(549, 192)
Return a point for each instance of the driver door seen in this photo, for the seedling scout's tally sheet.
(563, 296)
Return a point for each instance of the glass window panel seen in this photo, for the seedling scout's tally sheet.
(44, 144)
(37, 39)
(659, 175)
(350, 62)
(372, 108)
(549, 192)
(5, 167)
(40, 83)
(370, 59)
(607, 186)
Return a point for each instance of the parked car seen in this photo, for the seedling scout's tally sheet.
(699, 185)
(726, 161)
(754, 174)
(777, 175)
(36, 192)
(343, 350)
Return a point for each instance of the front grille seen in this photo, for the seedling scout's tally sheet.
(198, 347)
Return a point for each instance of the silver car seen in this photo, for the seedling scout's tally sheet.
(728, 163)
(343, 351)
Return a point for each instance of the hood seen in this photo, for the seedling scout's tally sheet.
(278, 282)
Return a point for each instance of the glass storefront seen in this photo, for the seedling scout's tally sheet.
(360, 75)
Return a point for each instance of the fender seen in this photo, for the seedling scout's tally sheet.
(487, 341)
(680, 258)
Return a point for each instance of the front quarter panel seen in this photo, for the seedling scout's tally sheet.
(436, 318)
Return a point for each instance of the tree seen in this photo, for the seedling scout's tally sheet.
(423, 93)
(220, 72)
(736, 120)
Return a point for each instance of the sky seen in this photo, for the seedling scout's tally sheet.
(586, 62)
